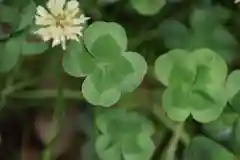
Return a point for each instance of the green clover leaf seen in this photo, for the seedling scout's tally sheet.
(195, 84)
(212, 35)
(148, 7)
(124, 133)
(204, 148)
(99, 29)
(117, 71)
(11, 51)
(27, 15)
(77, 61)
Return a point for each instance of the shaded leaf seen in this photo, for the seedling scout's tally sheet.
(176, 34)
(148, 7)
(10, 15)
(11, 51)
(77, 61)
(204, 148)
(27, 15)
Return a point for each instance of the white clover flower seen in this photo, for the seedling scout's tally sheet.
(61, 21)
(236, 1)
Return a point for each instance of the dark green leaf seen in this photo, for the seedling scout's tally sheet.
(11, 51)
(148, 7)
(27, 15)
(176, 34)
(10, 15)
(204, 148)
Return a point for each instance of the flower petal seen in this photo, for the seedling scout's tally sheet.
(81, 20)
(63, 42)
(56, 42)
(72, 5)
(42, 11)
(44, 20)
(56, 6)
(73, 37)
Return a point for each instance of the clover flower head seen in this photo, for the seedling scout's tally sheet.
(61, 21)
(237, 1)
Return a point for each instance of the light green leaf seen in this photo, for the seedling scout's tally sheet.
(165, 63)
(233, 84)
(175, 103)
(207, 115)
(27, 15)
(148, 7)
(11, 51)
(119, 70)
(183, 72)
(132, 81)
(99, 29)
(235, 102)
(97, 91)
(106, 50)
(77, 61)
(108, 150)
(138, 147)
(204, 148)
(216, 64)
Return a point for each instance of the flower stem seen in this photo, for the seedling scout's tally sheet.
(58, 111)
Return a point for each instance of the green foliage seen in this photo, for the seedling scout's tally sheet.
(109, 68)
(195, 84)
(233, 88)
(124, 135)
(23, 45)
(204, 148)
(27, 16)
(174, 62)
(212, 35)
(222, 128)
(148, 7)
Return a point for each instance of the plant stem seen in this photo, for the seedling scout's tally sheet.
(59, 108)
(58, 111)
(47, 93)
(10, 89)
(172, 146)
(159, 114)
